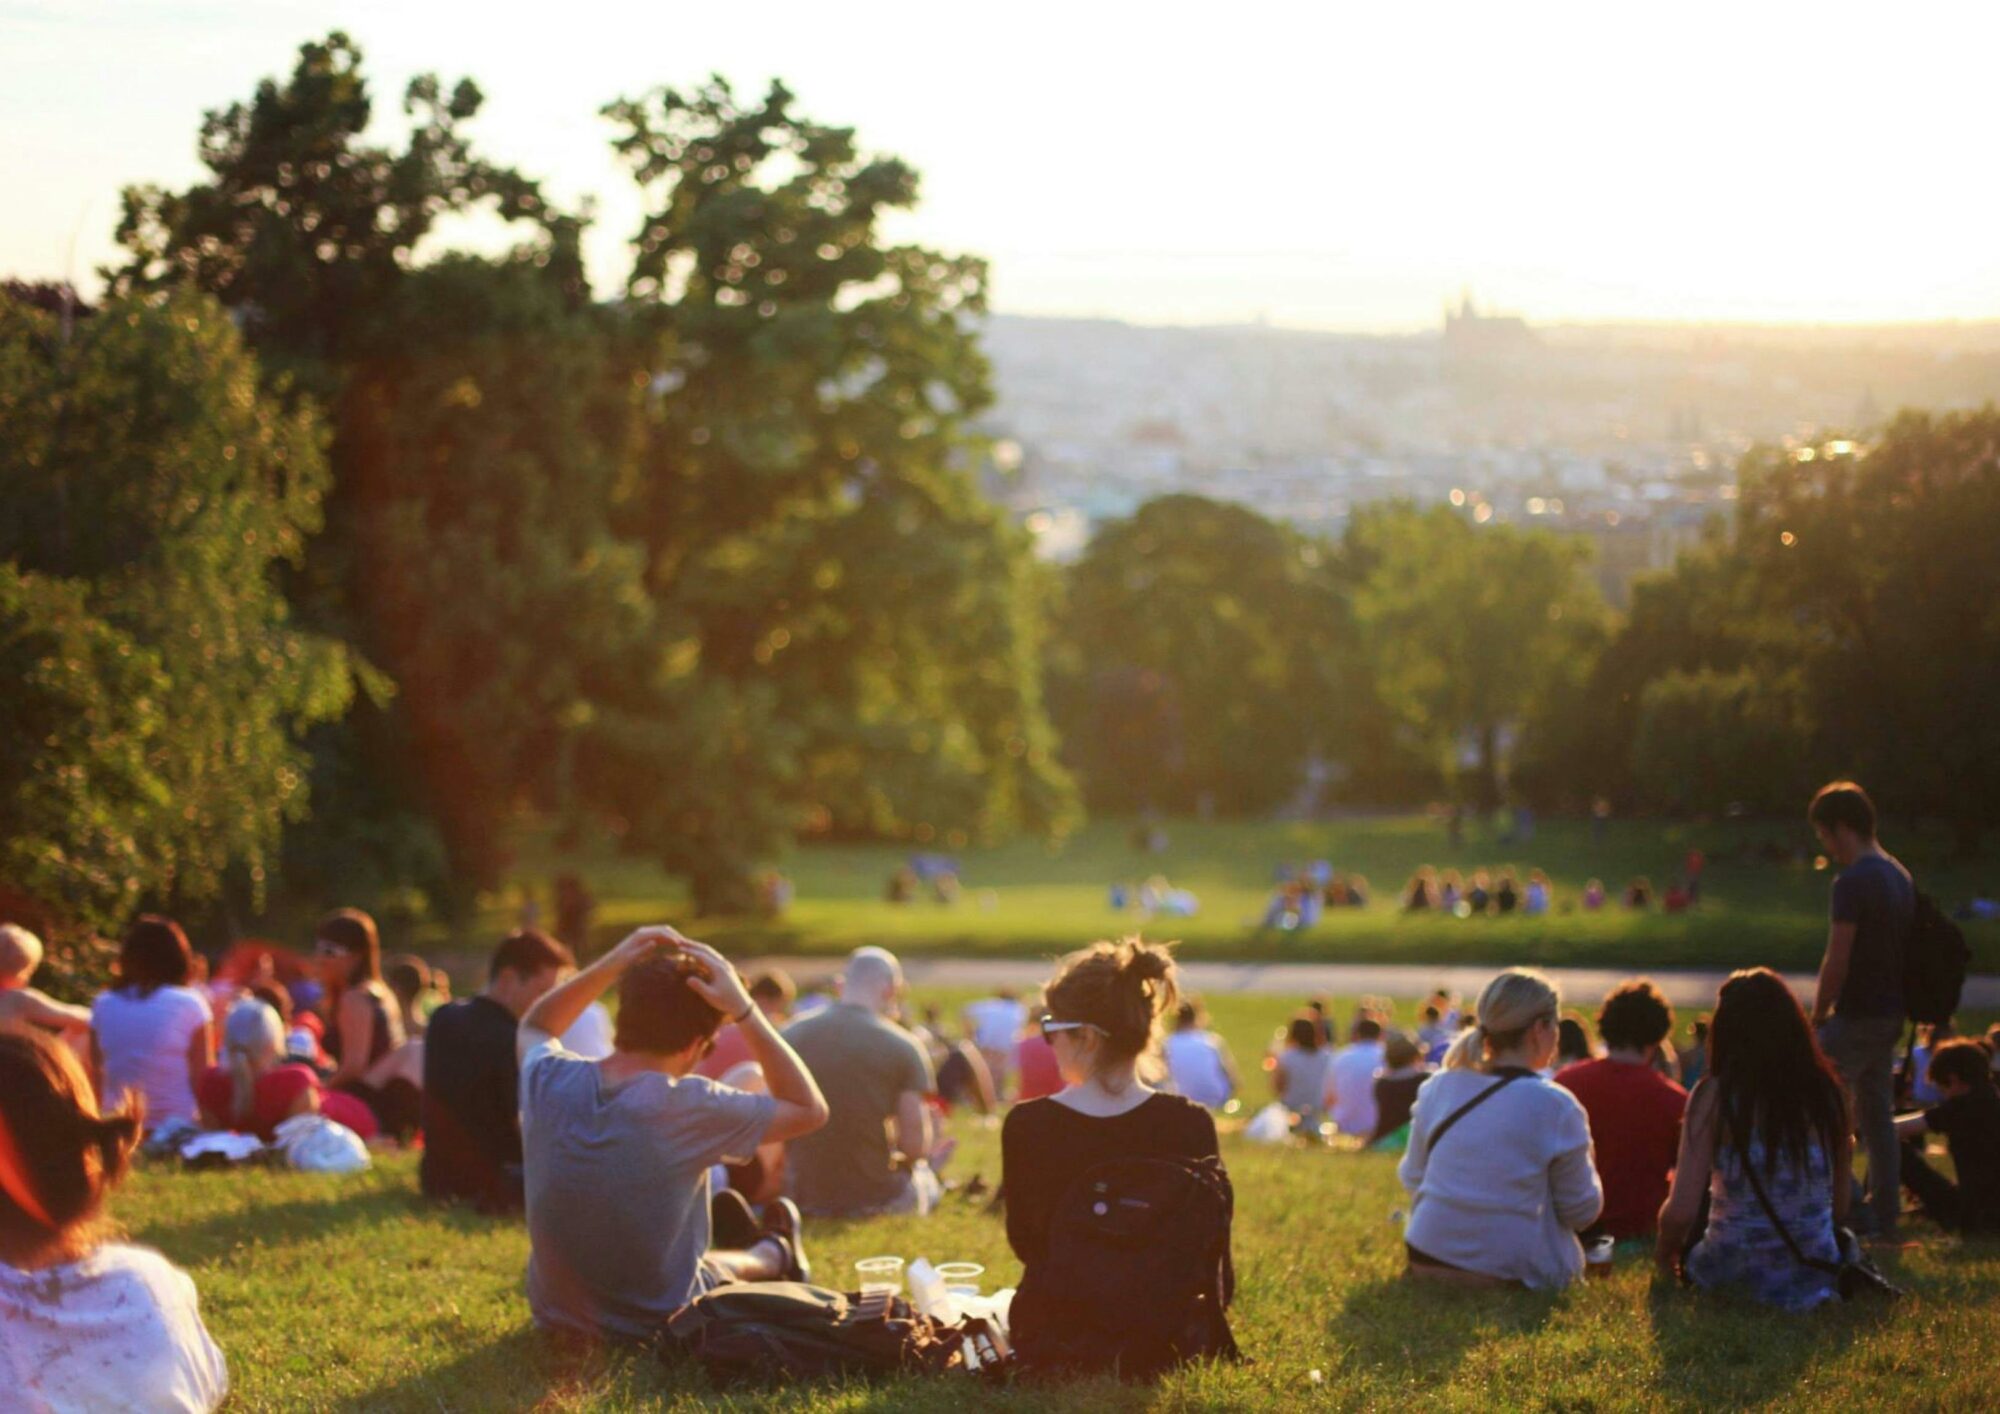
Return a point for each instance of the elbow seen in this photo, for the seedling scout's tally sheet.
(817, 1113)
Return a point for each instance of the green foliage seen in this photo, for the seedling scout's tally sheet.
(1198, 658)
(149, 492)
(1471, 630)
(848, 621)
(1708, 739)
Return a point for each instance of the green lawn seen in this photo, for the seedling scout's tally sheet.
(349, 1293)
(1025, 899)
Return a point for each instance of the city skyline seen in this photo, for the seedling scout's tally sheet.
(1316, 171)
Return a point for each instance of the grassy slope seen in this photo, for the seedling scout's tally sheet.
(349, 1293)
(1025, 899)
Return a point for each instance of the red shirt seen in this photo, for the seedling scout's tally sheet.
(732, 1048)
(271, 1099)
(1635, 1130)
(1035, 1059)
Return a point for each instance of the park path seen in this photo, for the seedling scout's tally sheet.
(1581, 986)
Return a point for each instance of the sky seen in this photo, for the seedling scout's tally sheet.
(1325, 165)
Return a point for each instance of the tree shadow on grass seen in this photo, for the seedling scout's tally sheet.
(1718, 1350)
(1408, 1334)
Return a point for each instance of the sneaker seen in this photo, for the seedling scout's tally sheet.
(781, 1220)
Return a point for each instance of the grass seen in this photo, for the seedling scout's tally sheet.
(1026, 899)
(352, 1294)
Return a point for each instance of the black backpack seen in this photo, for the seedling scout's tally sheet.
(780, 1330)
(1137, 1274)
(1934, 963)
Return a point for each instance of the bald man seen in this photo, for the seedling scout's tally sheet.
(875, 1076)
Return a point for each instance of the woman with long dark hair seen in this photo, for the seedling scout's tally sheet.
(1767, 1140)
(365, 1024)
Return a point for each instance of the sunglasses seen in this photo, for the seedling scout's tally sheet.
(1050, 1027)
(326, 949)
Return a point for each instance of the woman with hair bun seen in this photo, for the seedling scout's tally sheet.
(1499, 1166)
(1103, 1010)
(84, 1323)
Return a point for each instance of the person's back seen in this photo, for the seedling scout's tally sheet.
(143, 1036)
(1741, 1248)
(1353, 1070)
(617, 1188)
(1875, 894)
(472, 1138)
(1635, 1128)
(864, 1064)
(1194, 1062)
(1304, 1074)
(84, 1324)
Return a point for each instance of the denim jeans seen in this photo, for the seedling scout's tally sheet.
(1863, 1050)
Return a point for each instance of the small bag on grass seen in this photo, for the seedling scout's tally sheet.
(789, 1330)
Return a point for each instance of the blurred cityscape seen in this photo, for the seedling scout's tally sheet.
(1628, 434)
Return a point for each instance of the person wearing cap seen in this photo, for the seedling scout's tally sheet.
(876, 1076)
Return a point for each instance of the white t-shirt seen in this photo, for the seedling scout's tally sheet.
(996, 1023)
(144, 1042)
(1194, 1061)
(1354, 1067)
(120, 1329)
(590, 1035)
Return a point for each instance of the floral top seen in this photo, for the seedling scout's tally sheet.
(1742, 1249)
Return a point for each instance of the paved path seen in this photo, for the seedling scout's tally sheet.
(1581, 986)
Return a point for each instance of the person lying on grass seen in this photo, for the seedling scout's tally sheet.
(84, 1323)
(1499, 1167)
(617, 1152)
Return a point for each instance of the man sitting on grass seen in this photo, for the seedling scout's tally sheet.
(471, 1109)
(1969, 1119)
(1635, 1112)
(876, 1075)
(618, 1151)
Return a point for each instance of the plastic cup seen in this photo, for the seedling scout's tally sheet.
(880, 1275)
(961, 1278)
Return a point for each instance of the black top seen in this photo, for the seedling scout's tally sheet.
(1395, 1097)
(472, 1127)
(1970, 1124)
(1875, 895)
(378, 1030)
(1046, 1146)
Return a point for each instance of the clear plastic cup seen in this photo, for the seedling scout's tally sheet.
(961, 1278)
(880, 1275)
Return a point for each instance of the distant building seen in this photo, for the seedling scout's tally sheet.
(1470, 336)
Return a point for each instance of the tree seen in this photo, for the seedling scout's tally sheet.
(149, 492)
(1471, 630)
(1199, 646)
(851, 629)
(1707, 740)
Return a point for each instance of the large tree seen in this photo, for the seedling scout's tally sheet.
(157, 686)
(1200, 658)
(1471, 629)
(854, 626)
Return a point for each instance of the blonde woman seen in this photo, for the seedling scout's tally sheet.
(1499, 1166)
(254, 1089)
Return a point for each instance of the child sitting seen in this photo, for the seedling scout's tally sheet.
(23, 1008)
(1969, 1118)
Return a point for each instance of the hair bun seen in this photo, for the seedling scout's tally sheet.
(1148, 962)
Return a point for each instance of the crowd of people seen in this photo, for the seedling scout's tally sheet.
(688, 1143)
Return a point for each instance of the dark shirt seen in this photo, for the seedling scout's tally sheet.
(1970, 1124)
(1045, 1146)
(1875, 895)
(471, 1106)
(1395, 1096)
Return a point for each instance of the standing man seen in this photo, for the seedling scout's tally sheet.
(1859, 1004)
(876, 1076)
(471, 1114)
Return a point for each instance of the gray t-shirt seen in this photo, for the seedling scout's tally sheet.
(617, 1185)
(863, 1064)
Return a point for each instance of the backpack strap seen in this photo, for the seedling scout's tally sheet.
(1430, 1145)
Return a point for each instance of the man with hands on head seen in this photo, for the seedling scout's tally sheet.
(617, 1152)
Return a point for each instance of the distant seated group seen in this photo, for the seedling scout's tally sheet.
(1497, 893)
(1302, 896)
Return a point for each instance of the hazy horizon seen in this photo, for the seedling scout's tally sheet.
(1320, 172)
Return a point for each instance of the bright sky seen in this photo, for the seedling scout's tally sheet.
(1329, 164)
